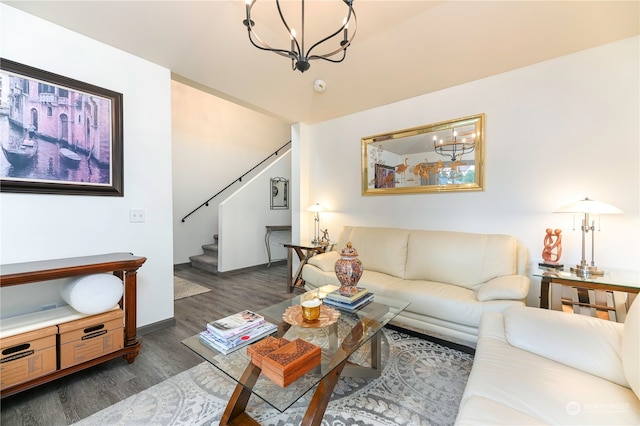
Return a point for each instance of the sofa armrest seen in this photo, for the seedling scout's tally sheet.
(508, 287)
(588, 344)
(325, 261)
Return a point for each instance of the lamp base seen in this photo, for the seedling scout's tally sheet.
(586, 270)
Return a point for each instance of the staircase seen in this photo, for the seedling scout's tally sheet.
(209, 260)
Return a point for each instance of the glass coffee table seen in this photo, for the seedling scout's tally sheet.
(337, 341)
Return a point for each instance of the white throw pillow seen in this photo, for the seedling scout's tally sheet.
(631, 347)
(93, 294)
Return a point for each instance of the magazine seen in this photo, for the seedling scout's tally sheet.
(235, 324)
(228, 346)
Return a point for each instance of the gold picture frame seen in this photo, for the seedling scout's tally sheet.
(440, 157)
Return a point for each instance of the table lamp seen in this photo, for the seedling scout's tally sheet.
(588, 207)
(316, 208)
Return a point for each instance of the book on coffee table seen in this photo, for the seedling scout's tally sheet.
(336, 295)
(349, 307)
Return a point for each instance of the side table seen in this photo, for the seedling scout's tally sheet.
(612, 281)
(304, 252)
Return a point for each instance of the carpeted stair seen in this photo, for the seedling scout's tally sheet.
(209, 260)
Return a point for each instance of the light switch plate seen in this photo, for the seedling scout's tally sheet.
(137, 215)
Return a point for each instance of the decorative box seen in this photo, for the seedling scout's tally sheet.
(258, 350)
(287, 363)
(27, 356)
(91, 337)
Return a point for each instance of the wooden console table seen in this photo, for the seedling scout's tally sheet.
(304, 253)
(123, 265)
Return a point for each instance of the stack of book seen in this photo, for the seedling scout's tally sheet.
(349, 303)
(236, 331)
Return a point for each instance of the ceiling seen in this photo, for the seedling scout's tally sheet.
(402, 48)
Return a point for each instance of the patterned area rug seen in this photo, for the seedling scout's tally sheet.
(184, 288)
(421, 384)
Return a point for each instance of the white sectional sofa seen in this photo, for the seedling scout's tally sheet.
(450, 278)
(534, 366)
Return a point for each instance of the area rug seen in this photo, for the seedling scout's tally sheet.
(184, 288)
(421, 384)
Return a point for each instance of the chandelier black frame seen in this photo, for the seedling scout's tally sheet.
(454, 148)
(299, 57)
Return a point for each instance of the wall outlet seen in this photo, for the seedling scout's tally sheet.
(137, 215)
(48, 307)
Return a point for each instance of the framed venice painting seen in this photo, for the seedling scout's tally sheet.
(58, 135)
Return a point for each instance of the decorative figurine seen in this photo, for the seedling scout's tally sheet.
(324, 241)
(552, 248)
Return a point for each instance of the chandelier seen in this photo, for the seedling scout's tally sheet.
(455, 148)
(299, 56)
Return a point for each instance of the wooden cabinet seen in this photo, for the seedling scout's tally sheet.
(123, 265)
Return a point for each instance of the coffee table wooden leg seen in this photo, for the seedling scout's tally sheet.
(321, 397)
(235, 414)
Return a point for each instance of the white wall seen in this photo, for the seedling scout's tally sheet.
(243, 217)
(555, 132)
(37, 227)
(214, 142)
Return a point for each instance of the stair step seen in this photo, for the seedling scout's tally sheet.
(211, 250)
(205, 263)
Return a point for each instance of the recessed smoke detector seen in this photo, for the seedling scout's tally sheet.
(319, 86)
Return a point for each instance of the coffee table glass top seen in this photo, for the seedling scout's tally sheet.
(370, 320)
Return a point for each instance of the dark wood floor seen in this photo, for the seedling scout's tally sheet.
(75, 397)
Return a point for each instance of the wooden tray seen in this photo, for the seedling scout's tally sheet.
(293, 316)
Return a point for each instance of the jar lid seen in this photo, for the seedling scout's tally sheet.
(349, 250)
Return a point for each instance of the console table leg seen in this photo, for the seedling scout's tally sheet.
(544, 292)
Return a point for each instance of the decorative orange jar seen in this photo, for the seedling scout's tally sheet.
(348, 270)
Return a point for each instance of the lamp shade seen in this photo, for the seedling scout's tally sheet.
(589, 206)
(316, 208)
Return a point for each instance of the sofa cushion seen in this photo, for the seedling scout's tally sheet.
(480, 411)
(589, 344)
(460, 258)
(510, 287)
(379, 249)
(631, 347)
(456, 304)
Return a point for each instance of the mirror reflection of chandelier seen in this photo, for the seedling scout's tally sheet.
(454, 148)
(336, 42)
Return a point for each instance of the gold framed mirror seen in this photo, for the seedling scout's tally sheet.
(439, 157)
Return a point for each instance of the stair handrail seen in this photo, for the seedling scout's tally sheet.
(206, 203)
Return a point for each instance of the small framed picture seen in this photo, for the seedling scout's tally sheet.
(385, 176)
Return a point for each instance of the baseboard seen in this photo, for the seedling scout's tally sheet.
(452, 345)
(160, 325)
(252, 268)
